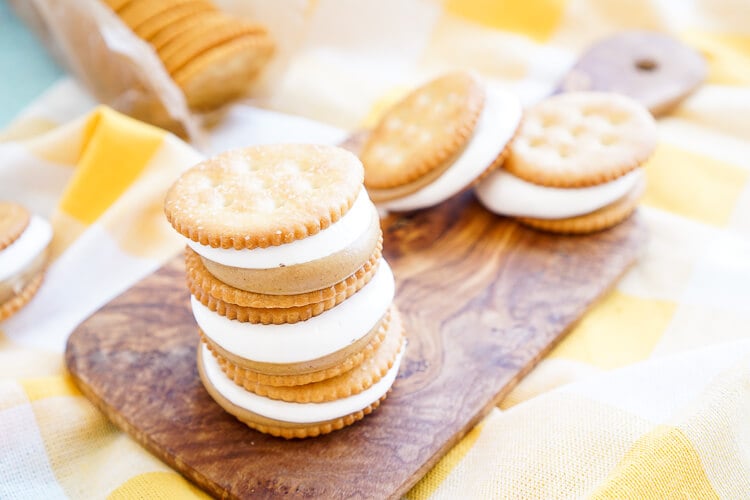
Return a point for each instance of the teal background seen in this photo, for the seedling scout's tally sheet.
(26, 69)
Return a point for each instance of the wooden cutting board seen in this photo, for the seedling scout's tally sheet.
(483, 300)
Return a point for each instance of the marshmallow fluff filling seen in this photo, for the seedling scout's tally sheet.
(302, 413)
(22, 252)
(506, 194)
(336, 237)
(495, 128)
(315, 338)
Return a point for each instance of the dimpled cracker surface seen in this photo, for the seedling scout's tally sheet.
(423, 131)
(264, 195)
(13, 222)
(582, 139)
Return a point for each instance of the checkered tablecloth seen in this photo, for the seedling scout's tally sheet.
(648, 397)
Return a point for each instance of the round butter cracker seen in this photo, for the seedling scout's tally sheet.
(347, 384)
(278, 315)
(244, 372)
(264, 196)
(223, 73)
(582, 139)
(423, 132)
(203, 37)
(10, 307)
(137, 12)
(14, 219)
(161, 29)
(287, 430)
(386, 195)
(199, 277)
(180, 21)
(311, 276)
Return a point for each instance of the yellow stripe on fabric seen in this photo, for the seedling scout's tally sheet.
(457, 43)
(115, 151)
(547, 375)
(47, 387)
(431, 481)
(157, 486)
(693, 185)
(661, 464)
(619, 330)
(728, 55)
(136, 220)
(536, 18)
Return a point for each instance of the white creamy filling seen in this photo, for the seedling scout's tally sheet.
(27, 247)
(334, 238)
(319, 336)
(496, 126)
(301, 413)
(506, 194)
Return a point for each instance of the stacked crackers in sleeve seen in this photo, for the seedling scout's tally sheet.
(294, 303)
(212, 57)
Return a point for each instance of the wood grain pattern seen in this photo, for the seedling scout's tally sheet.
(655, 69)
(482, 298)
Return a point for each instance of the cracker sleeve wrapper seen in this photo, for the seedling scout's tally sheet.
(124, 72)
(118, 68)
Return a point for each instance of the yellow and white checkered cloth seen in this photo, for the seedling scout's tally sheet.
(648, 397)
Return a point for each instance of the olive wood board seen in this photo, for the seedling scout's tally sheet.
(483, 299)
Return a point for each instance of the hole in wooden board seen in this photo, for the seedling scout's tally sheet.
(646, 65)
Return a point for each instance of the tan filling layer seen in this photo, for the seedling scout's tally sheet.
(198, 277)
(306, 277)
(305, 367)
